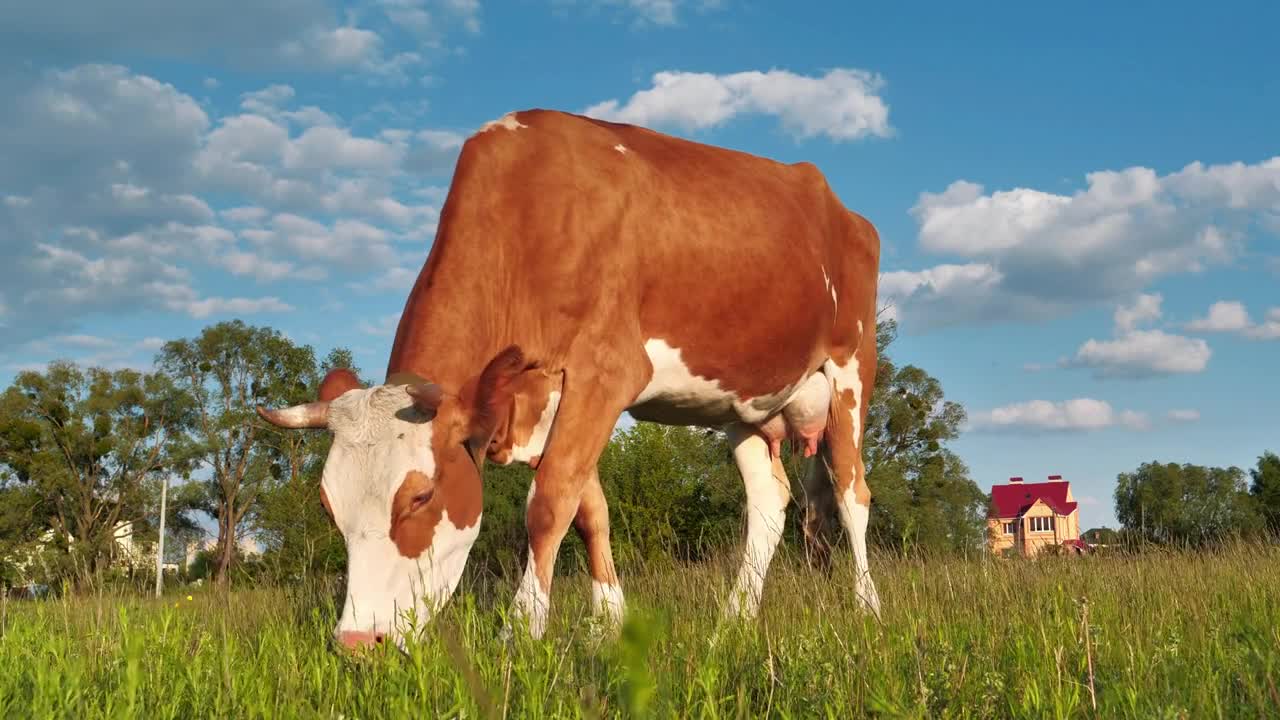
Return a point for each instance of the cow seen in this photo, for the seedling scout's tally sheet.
(581, 269)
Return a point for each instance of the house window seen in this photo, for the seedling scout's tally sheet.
(1041, 524)
(1010, 528)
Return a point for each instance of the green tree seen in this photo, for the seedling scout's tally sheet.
(1265, 489)
(922, 495)
(89, 447)
(672, 491)
(1189, 504)
(228, 370)
(297, 532)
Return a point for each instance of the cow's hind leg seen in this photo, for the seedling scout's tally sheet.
(592, 522)
(767, 494)
(819, 504)
(841, 451)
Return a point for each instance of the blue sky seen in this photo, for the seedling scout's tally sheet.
(1079, 205)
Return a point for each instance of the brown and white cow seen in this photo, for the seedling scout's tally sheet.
(581, 269)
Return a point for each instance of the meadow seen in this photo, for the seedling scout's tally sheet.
(1162, 634)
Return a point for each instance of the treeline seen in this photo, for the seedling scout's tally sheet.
(84, 449)
(1193, 505)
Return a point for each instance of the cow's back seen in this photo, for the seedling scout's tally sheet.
(584, 225)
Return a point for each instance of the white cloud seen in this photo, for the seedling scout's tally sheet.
(1184, 415)
(1078, 414)
(1054, 252)
(1137, 353)
(1145, 308)
(1231, 316)
(1224, 316)
(383, 326)
(844, 104)
(104, 209)
(1144, 353)
(665, 13)
(236, 306)
(86, 342)
(291, 34)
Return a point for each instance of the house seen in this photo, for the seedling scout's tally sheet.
(1030, 516)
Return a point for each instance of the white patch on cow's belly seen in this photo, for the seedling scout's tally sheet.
(506, 122)
(676, 396)
(620, 148)
(538, 438)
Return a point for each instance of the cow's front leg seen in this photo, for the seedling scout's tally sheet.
(589, 409)
(592, 522)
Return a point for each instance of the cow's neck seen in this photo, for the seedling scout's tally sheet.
(451, 325)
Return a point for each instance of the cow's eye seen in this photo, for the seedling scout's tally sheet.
(420, 499)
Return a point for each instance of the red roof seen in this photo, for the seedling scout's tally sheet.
(1013, 499)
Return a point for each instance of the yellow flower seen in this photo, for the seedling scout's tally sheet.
(188, 598)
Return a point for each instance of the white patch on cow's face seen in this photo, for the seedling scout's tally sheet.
(506, 122)
(392, 594)
(620, 148)
(538, 438)
(379, 439)
(674, 394)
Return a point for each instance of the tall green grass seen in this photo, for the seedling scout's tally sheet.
(1160, 635)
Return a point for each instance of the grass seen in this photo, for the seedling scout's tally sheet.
(1161, 635)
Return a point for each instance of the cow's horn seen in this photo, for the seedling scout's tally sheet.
(306, 415)
(426, 396)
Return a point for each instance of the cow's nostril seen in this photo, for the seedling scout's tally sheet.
(359, 639)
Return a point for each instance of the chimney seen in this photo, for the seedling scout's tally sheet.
(1055, 478)
(1015, 479)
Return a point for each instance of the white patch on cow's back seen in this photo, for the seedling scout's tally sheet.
(620, 148)
(538, 438)
(674, 393)
(507, 122)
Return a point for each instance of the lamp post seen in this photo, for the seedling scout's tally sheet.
(164, 492)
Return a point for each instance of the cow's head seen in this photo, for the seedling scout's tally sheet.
(402, 484)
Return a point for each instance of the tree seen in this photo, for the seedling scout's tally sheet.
(1101, 536)
(86, 444)
(228, 370)
(1191, 504)
(921, 492)
(299, 536)
(1265, 490)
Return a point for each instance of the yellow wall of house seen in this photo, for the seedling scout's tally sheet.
(1031, 542)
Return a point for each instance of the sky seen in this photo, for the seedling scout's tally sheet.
(1079, 205)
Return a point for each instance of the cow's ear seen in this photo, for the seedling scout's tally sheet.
(493, 395)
